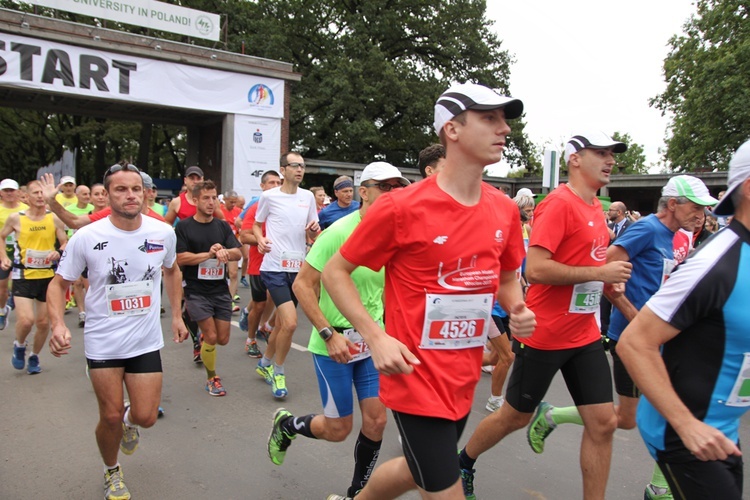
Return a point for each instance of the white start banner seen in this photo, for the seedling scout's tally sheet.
(39, 64)
(147, 13)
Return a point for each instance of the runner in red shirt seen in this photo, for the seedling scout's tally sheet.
(567, 269)
(447, 244)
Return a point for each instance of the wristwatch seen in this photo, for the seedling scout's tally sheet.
(325, 333)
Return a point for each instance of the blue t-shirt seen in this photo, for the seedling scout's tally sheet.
(334, 212)
(651, 251)
(250, 203)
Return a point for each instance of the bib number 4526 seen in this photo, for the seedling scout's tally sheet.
(456, 329)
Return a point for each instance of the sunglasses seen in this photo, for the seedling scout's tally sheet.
(384, 186)
(116, 168)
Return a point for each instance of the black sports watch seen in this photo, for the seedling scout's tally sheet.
(325, 333)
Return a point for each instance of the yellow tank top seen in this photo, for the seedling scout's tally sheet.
(4, 213)
(33, 243)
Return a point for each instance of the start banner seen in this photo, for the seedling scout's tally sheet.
(147, 13)
(39, 64)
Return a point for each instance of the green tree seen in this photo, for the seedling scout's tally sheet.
(708, 86)
(632, 161)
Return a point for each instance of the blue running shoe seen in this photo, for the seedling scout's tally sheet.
(19, 357)
(243, 319)
(11, 301)
(244, 282)
(33, 366)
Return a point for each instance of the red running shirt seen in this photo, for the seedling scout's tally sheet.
(430, 243)
(255, 258)
(576, 234)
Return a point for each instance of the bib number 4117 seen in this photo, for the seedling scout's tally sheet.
(456, 329)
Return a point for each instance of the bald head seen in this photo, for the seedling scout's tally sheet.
(617, 211)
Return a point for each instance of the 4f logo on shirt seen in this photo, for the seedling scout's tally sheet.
(101, 245)
(440, 240)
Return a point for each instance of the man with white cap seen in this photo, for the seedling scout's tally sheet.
(687, 351)
(9, 204)
(341, 357)
(450, 244)
(67, 195)
(567, 270)
(650, 245)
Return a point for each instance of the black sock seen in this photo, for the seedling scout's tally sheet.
(299, 425)
(465, 461)
(366, 453)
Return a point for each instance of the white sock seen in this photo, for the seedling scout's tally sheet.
(107, 467)
(126, 418)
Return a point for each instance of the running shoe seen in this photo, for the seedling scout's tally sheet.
(540, 427)
(114, 487)
(494, 404)
(130, 437)
(252, 349)
(488, 369)
(81, 319)
(197, 354)
(263, 335)
(338, 497)
(19, 357)
(214, 387)
(656, 493)
(33, 366)
(236, 298)
(243, 319)
(279, 440)
(161, 412)
(244, 282)
(4, 317)
(235, 307)
(266, 372)
(278, 386)
(467, 481)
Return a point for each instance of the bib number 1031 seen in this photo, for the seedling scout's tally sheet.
(456, 329)
(131, 303)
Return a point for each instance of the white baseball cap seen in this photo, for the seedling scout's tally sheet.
(691, 188)
(464, 96)
(8, 184)
(592, 139)
(66, 179)
(381, 171)
(739, 172)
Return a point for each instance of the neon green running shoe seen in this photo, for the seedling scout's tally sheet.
(279, 440)
(655, 493)
(540, 427)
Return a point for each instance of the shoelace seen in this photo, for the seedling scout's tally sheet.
(114, 479)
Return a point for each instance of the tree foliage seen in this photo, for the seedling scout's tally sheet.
(371, 70)
(632, 161)
(708, 86)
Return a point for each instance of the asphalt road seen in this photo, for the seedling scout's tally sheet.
(215, 448)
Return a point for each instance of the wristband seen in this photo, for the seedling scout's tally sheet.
(325, 334)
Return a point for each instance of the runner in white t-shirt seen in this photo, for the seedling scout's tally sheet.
(290, 217)
(124, 253)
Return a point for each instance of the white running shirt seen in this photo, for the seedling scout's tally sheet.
(124, 297)
(286, 216)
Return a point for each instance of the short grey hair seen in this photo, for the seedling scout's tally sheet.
(662, 205)
(230, 193)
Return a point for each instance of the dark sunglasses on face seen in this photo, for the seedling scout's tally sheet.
(384, 186)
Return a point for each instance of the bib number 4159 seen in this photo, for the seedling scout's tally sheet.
(456, 329)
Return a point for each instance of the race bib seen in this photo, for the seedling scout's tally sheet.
(585, 298)
(360, 349)
(291, 261)
(37, 259)
(129, 299)
(456, 321)
(740, 395)
(210, 270)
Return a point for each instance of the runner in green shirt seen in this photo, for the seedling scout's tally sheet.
(340, 355)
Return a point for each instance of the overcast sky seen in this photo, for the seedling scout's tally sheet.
(589, 64)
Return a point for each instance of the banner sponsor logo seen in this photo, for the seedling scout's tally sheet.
(147, 13)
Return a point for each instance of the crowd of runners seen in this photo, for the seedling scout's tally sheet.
(412, 290)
